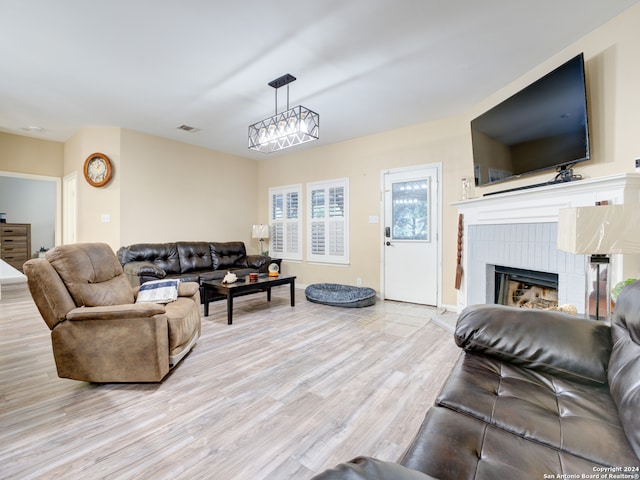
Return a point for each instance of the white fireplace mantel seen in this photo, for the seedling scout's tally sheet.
(541, 204)
(510, 212)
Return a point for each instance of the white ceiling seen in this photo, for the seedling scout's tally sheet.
(364, 65)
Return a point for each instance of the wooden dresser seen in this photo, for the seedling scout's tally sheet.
(15, 243)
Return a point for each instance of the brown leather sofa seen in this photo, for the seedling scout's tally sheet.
(98, 331)
(188, 261)
(536, 395)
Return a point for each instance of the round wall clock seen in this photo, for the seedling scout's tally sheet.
(97, 169)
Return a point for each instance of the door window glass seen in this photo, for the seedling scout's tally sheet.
(410, 210)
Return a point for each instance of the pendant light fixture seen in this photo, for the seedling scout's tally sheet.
(292, 127)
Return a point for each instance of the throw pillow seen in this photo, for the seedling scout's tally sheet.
(158, 291)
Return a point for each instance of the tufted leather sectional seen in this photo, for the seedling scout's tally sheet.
(537, 394)
(188, 261)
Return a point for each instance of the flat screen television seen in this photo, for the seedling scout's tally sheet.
(544, 126)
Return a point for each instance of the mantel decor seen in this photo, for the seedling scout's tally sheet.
(292, 127)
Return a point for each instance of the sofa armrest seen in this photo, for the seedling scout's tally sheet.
(113, 312)
(188, 289)
(368, 468)
(561, 344)
(147, 269)
(120, 343)
(258, 261)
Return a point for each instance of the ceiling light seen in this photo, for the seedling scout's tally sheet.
(286, 129)
(33, 129)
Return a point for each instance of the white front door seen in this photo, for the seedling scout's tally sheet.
(411, 267)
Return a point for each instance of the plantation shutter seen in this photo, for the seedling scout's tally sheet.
(284, 221)
(328, 221)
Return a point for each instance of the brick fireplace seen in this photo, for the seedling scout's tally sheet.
(519, 230)
(523, 246)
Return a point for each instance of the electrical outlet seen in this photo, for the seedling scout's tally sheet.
(358, 282)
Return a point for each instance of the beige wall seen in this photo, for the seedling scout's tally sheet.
(173, 191)
(34, 156)
(363, 160)
(162, 190)
(94, 202)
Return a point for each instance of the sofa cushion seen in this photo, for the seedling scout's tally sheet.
(455, 446)
(554, 342)
(164, 255)
(186, 277)
(228, 254)
(624, 365)
(194, 256)
(209, 275)
(575, 417)
(92, 274)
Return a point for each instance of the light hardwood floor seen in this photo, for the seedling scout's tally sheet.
(284, 393)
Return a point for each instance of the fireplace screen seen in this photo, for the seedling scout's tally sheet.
(525, 288)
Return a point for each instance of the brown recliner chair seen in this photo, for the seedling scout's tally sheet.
(98, 331)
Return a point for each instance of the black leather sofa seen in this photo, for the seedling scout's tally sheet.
(189, 261)
(537, 395)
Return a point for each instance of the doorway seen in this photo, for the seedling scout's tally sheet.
(36, 199)
(411, 234)
(70, 203)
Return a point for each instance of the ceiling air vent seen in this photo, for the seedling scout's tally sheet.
(189, 129)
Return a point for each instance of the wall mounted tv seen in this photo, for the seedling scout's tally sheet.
(542, 127)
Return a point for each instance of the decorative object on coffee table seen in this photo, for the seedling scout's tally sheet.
(274, 270)
(338, 295)
(230, 277)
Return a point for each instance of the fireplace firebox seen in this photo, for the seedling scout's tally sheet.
(525, 288)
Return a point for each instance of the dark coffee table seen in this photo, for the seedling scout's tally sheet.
(244, 286)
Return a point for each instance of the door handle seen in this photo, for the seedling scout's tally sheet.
(388, 244)
(387, 232)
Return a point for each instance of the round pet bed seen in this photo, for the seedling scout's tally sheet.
(338, 295)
